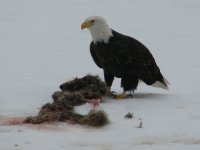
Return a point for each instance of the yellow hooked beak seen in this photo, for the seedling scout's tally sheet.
(84, 25)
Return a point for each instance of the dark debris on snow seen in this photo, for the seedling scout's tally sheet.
(74, 93)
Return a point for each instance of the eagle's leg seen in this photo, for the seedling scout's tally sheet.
(109, 77)
(109, 92)
(128, 84)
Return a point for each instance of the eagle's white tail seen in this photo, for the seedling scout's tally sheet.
(159, 84)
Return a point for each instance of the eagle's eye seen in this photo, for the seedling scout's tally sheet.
(92, 21)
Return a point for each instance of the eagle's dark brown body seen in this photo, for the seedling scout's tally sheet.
(126, 58)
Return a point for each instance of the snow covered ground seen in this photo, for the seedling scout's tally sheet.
(41, 46)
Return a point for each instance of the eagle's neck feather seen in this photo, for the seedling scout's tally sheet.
(101, 33)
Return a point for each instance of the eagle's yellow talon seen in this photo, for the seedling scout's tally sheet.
(122, 96)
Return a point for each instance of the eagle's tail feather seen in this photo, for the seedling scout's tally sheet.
(166, 81)
(163, 85)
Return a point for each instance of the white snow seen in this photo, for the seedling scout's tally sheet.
(42, 46)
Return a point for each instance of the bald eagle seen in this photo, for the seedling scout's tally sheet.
(123, 57)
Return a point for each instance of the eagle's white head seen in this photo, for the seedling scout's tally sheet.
(98, 28)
